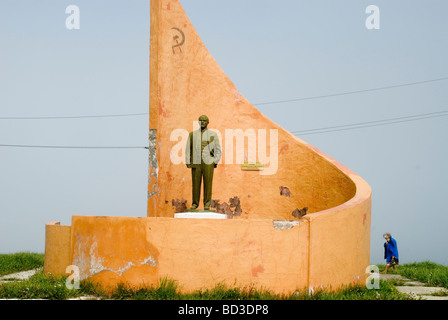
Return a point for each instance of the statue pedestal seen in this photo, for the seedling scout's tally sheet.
(200, 215)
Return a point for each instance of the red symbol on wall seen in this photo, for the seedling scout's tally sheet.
(179, 40)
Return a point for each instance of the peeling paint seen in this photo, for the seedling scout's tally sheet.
(123, 270)
(153, 162)
(96, 263)
(92, 264)
(214, 204)
(78, 258)
(179, 205)
(150, 261)
(150, 194)
(226, 208)
(284, 224)
(299, 213)
(98, 267)
(285, 192)
(234, 202)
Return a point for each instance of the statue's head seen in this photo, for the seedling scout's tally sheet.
(204, 121)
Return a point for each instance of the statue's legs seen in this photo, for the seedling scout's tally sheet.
(207, 172)
(196, 177)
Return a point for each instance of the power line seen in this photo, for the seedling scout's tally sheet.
(257, 104)
(376, 121)
(77, 117)
(69, 147)
(353, 126)
(352, 92)
(371, 123)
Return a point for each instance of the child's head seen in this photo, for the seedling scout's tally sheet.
(387, 236)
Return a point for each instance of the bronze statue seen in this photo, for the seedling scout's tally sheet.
(203, 153)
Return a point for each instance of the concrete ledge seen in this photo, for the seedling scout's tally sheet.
(200, 215)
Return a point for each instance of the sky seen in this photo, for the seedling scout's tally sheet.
(272, 51)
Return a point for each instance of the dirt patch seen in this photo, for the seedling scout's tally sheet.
(285, 192)
(299, 213)
(231, 209)
(179, 205)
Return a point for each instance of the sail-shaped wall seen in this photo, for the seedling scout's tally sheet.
(186, 82)
(265, 174)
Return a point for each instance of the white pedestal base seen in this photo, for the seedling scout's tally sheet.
(200, 215)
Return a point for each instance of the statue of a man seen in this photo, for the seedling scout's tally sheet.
(203, 153)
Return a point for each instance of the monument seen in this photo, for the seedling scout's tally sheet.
(266, 240)
(203, 153)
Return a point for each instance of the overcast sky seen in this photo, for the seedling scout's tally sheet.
(272, 51)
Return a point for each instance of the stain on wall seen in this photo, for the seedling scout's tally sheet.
(231, 209)
(179, 205)
(285, 192)
(299, 213)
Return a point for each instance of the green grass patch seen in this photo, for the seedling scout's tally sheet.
(387, 291)
(40, 286)
(440, 294)
(22, 261)
(168, 290)
(430, 273)
(224, 292)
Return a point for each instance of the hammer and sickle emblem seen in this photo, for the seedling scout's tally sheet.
(176, 38)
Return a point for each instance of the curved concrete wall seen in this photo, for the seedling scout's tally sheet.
(196, 253)
(323, 250)
(186, 82)
(264, 246)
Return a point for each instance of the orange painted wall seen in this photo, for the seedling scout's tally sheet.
(186, 82)
(329, 249)
(58, 253)
(339, 242)
(196, 253)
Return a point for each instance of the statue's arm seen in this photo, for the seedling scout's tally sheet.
(188, 152)
(217, 149)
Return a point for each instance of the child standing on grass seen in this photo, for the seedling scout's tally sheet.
(390, 252)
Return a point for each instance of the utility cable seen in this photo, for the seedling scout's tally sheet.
(353, 126)
(69, 147)
(368, 124)
(257, 104)
(352, 92)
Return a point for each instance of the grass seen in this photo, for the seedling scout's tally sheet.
(22, 261)
(431, 273)
(168, 290)
(41, 286)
